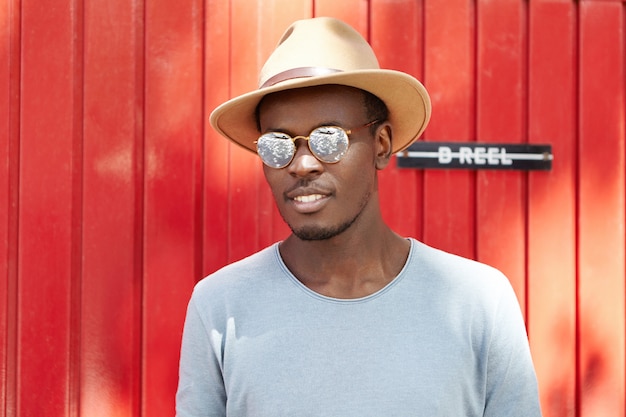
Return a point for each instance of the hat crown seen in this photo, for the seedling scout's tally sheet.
(315, 45)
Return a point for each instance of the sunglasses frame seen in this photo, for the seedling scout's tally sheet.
(347, 133)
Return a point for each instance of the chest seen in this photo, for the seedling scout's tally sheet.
(343, 362)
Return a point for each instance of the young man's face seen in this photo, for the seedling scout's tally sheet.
(321, 200)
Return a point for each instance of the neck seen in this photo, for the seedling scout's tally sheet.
(350, 265)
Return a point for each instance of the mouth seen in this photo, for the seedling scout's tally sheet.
(308, 198)
(307, 202)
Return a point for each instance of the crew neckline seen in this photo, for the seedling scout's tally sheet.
(326, 298)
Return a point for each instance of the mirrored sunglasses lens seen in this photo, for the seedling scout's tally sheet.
(275, 150)
(329, 144)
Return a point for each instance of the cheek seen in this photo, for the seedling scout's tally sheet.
(272, 177)
(361, 161)
(357, 178)
(363, 152)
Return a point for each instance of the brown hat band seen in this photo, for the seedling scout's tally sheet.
(302, 72)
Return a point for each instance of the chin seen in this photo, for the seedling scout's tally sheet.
(316, 233)
(309, 234)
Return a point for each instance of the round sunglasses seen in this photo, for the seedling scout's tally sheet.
(327, 143)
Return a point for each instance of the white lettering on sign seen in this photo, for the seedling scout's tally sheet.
(479, 155)
(465, 155)
(445, 155)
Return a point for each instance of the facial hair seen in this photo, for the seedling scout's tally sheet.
(315, 233)
(311, 233)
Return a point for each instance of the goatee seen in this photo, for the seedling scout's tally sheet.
(312, 233)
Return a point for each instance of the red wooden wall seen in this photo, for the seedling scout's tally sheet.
(116, 196)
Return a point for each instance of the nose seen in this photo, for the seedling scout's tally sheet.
(304, 163)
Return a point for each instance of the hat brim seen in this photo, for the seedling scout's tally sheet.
(405, 97)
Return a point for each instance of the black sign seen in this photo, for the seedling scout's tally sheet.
(472, 155)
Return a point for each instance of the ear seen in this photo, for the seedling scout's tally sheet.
(383, 145)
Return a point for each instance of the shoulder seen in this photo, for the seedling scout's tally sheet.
(459, 280)
(462, 291)
(450, 267)
(240, 276)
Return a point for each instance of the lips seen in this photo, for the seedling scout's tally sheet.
(308, 200)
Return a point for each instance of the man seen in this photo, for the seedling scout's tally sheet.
(345, 317)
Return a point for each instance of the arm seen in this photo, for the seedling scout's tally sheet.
(201, 390)
(511, 381)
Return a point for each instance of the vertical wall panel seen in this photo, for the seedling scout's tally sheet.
(50, 131)
(397, 38)
(6, 139)
(216, 149)
(601, 245)
(500, 117)
(174, 119)
(552, 204)
(112, 219)
(9, 142)
(449, 196)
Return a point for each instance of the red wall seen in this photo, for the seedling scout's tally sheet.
(116, 196)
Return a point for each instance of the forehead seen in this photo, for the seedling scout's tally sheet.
(332, 102)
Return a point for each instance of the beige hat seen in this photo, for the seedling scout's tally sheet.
(323, 51)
